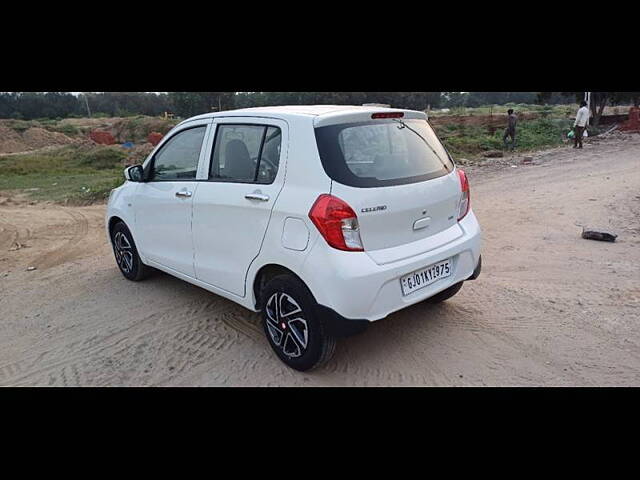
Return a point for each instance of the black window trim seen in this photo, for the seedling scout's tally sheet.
(152, 162)
(266, 127)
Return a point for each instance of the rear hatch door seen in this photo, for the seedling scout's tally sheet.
(395, 174)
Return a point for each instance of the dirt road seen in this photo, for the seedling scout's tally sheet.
(548, 309)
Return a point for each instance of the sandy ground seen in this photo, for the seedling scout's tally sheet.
(549, 308)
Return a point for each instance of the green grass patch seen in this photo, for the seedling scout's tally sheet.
(470, 141)
(68, 129)
(66, 175)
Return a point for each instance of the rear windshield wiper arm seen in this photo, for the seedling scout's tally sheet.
(404, 125)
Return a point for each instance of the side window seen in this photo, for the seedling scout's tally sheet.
(246, 154)
(178, 158)
(270, 158)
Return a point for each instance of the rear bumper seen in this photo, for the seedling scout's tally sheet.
(354, 286)
(476, 272)
(338, 326)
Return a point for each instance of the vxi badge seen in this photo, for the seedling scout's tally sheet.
(374, 209)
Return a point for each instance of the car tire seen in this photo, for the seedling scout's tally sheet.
(126, 253)
(295, 331)
(445, 294)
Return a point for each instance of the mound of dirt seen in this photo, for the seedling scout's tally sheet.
(85, 125)
(33, 138)
(39, 137)
(10, 141)
(137, 129)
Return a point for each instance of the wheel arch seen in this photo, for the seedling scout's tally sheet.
(112, 222)
(266, 273)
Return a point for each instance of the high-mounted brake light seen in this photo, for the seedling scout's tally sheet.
(337, 223)
(387, 115)
(465, 198)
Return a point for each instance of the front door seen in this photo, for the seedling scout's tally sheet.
(231, 210)
(164, 201)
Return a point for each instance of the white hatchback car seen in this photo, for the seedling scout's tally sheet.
(323, 218)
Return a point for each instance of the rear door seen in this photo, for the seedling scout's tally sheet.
(163, 203)
(395, 174)
(232, 209)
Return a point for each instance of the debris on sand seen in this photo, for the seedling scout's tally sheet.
(17, 246)
(614, 133)
(494, 154)
(596, 235)
(30, 269)
(527, 160)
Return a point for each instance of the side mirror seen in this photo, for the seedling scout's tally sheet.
(134, 173)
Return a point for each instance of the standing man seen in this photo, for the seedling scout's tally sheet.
(582, 118)
(511, 129)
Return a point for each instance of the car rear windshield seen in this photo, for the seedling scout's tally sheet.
(382, 152)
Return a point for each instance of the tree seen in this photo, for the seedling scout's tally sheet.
(599, 100)
(455, 99)
(412, 100)
(187, 104)
(627, 97)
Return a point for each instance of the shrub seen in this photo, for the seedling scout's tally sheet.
(68, 129)
(19, 125)
(102, 157)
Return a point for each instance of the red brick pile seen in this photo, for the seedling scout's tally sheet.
(101, 137)
(633, 124)
(154, 138)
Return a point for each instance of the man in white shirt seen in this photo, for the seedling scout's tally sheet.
(582, 119)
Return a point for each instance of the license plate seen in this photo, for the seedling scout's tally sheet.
(421, 278)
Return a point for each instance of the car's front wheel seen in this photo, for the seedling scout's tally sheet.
(126, 253)
(294, 330)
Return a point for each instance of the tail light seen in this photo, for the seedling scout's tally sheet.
(465, 198)
(337, 223)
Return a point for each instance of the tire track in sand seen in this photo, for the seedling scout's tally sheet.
(79, 229)
(161, 345)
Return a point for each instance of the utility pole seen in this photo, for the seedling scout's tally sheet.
(587, 98)
(86, 101)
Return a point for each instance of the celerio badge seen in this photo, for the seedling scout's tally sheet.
(374, 209)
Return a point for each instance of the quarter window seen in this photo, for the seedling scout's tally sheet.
(270, 159)
(178, 158)
(246, 154)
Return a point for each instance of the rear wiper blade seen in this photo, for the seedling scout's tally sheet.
(404, 125)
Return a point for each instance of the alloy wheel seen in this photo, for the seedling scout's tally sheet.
(124, 252)
(286, 325)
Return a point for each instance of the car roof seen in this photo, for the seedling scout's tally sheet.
(320, 113)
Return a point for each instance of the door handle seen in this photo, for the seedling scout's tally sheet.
(183, 193)
(257, 196)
